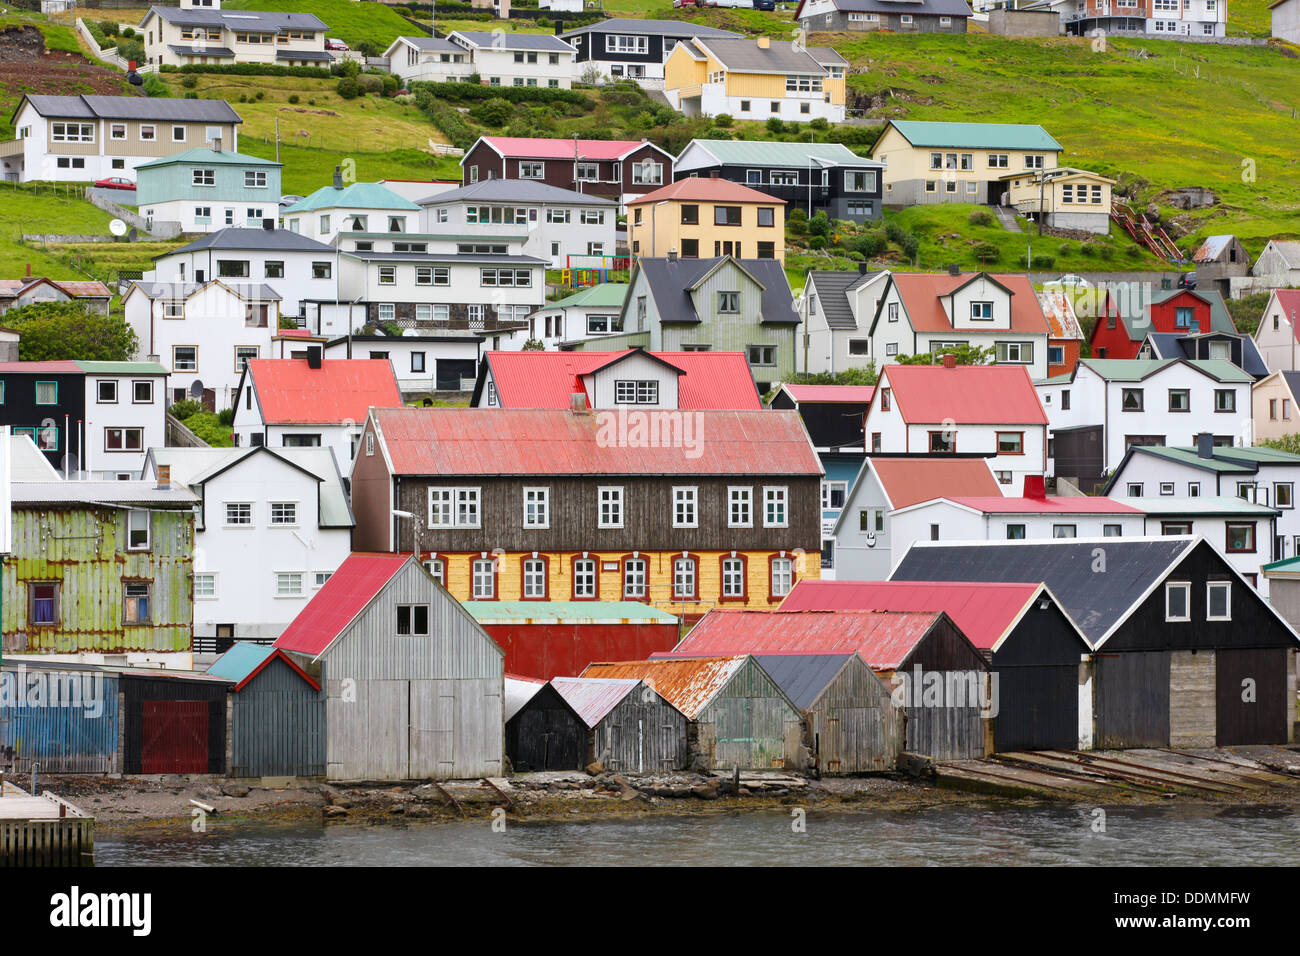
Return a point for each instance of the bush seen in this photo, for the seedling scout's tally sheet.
(869, 245)
(185, 408)
(189, 82)
(207, 427)
(797, 222)
(347, 88)
(261, 93)
(346, 68)
(191, 95)
(910, 245)
(53, 331)
(1088, 250)
(1107, 252)
(717, 132)
(129, 32)
(252, 69)
(493, 112)
(774, 125)
(816, 242)
(226, 417)
(293, 97)
(820, 123)
(107, 27)
(981, 217)
(391, 84)
(986, 252)
(464, 92)
(370, 83)
(723, 119)
(243, 97)
(819, 225)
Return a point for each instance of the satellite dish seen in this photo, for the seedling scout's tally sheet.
(117, 227)
(196, 389)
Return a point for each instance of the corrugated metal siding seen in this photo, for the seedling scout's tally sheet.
(278, 726)
(60, 739)
(85, 550)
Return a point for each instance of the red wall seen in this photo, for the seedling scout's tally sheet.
(544, 651)
(1071, 349)
(1158, 318)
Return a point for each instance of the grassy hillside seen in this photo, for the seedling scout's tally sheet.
(348, 20)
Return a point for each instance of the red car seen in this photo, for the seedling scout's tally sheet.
(114, 182)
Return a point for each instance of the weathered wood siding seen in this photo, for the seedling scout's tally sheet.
(142, 748)
(1191, 698)
(954, 728)
(546, 734)
(643, 734)
(278, 726)
(749, 724)
(1037, 675)
(1255, 696)
(1132, 695)
(854, 727)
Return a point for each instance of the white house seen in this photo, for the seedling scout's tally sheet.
(208, 188)
(1276, 335)
(429, 60)
(593, 311)
(1278, 264)
(518, 59)
(564, 227)
(439, 361)
(271, 526)
(925, 313)
(84, 138)
(311, 403)
(357, 207)
(837, 309)
(296, 268)
(1106, 406)
(199, 31)
(989, 410)
(202, 334)
(1285, 20)
(626, 49)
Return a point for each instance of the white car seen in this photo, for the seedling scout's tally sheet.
(1071, 281)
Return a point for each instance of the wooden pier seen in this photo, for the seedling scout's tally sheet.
(43, 830)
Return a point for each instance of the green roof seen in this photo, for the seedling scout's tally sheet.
(1131, 370)
(1201, 506)
(121, 368)
(604, 294)
(1188, 456)
(734, 152)
(976, 135)
(567, 612)
(1287, 564)
(356, 196)
(209, 157)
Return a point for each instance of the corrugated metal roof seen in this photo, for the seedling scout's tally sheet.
(353, 196)
(209, 157)
(290, 391)
(1062, 322)
(122, 368)
(671, 282)
(95, 492)
(667, 28)
(976, 135)
(832, 393)
(1133, 370)
(909, 481)
(245, 659)
(501, 39)
(603, 294)
(566, 612)
(687, 684)
(506, 441)
(923, 295)
(74, 288)
(707, 189)
(760, 153)
(515, 190)
(519, 691)
(339, 601)
(744, 55)
(802, 677)
(537, 147)
(1050, 505)
(883, 638)
(965, 395)
(259, 21)
(593, 698)
(1211, 248)
(1199, 506)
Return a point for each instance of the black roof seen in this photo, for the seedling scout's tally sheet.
(802, 677)
(832, 294)
(269, 239)
(670, 280)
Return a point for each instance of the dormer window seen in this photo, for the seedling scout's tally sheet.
(981, 311)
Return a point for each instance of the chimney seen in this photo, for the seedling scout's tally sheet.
(338, 177)
(578, 403)
(953, 269)
(863, 268)
(1035, 487)
(559, 27)
(949, 360)
(164, 477)
(216, 144)
(764, 43)
(29, 270)
(1204, 445)
(672, 255)
(313, 356)
(268, 224)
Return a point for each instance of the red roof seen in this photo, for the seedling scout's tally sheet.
(291, 392)
(339, 601)
(830, 393)
(965, 394)
(522, 441)
(909, 481)
(1289, 301)
(922, 295)
(706, 189)
(1052, 504)
(542, 148)
(74, 288)
(984, 612)
(536, 379)
(294, 334)
(883, 638)
(58, 366)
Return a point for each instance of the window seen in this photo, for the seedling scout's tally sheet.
(1282, 495)
(301, 440)
(601, 325)
(726, 215)
(106, 392)
(1004, 477)
(610, 502)
(137, 530)
(1065, 399)
(43, 603)
(322, 270)
(239, 513)
(537, 507)
(1014, 353)
(413, 619)
(437, 569)
(761, 354)
(147, 133)
(859, 346)
(627, 392)
(203, 177)
(519, 278)
(1065, 531)
(1225, 400)
(484, 579)
(1112, 531)
(1240, 537)
(1218, 601)
(690, 215)
(1193, 489)
(124, 439)
(72, 132)
(943, 442)
(646, 173)
(740, 502)
(532, 170)
(453, 507)
(1183, 318)
(47, 393)
(242, 354)
(254, 179)
(981, 311)
(319, 578)
(1166, 487)
(1011, 443)
(766, 216)
(284, 513)
(588, 172)
(534, 578)
(776, 506)
(205, 585)
(782, 576)
(135, 596)
(185, 358)
(288, 584)
(729, 302)
(1033, 162)
(733, 578)
(634, 571)
(1180, 400)
(833, 495)
(232, 268)
(1131, 400)
(1015, 532)
(685, 500)
(387, 275)
(584, 579)
(884, 399)
(1178, 601)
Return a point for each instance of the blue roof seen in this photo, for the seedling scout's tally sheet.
(241, 661)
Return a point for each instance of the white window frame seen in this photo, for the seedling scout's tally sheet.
(449, 500)
(612, 495)
(476, 578)
(134, 515)
(589, 577)
(292, 513)
(681, 495)
(738, 494)
(782, 570)
(284, 584)
(202, 593)
(537, 500)
(776, 493)
(1186, 588)
(1210, 586)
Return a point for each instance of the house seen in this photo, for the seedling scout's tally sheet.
(1062, 197)
(1273, 406)
(946, 409)
(574, 721)
(623, 49)
(205, 189)
(926, 313)
(503, 58)
(837, 309)
(738, 718)
(311, 403)
(1237, 348)
(90, 419)
(612, 169)
(907, 650)
(356, 207)
(817, 177)
(441, 360)
(682, 510)
(709, 217)
(1285, 20)
(291, 501)
(864, 539)
(203, 333)
(1157, 19)
(413, 686)
(1101, 410)
(595, 310)
(199, 31)
(548, 639)
(913, 16)
(1036, 652)
(1173, 311)
(429, 60)
(1064, 334)
(1174, 631)
(1275, 336)
(297, 269)
(16, 293)
(277, 713)
(755, 79)
(83, 138)
(1218, 259)
(720, 304)
(566, 228)
(685, 380)
(1260, 475)
(1278, 264)
(100, 573)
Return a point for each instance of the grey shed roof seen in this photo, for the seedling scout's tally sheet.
(546, 42)
(945, 8)
(802, 677)
(257, 21)
(671, 279)
(96, 492)
(1096, 602)
(323, 56)
(1292, 380)
(284, 240)
(433, 43)
(832, 295)
(666, 28)
(515, 190)
(746, 56)
(133, 107)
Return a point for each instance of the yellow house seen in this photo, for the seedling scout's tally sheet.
(702, 217)
(1068, 198)
(755, 79)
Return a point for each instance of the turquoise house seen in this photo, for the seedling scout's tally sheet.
(206, 188)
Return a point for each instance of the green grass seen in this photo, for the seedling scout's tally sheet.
(352, 22)
(47, 209)
(57, 36)
(1249, 18)
(15, 257)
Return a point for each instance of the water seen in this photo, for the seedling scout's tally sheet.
(1168, 836)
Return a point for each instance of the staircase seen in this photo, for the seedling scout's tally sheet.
(1143, 233)
(1007, 216)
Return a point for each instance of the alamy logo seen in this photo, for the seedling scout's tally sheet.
(660, 428)
(946, 689)
(76, 909)
(41, 688)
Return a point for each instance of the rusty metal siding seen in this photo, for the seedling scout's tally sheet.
(750, 724)
(853, 726)
(643, 734)
(84, 549)
(278, 726)
(60, 739)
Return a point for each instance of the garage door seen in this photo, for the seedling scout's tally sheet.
(1251, 704)
(175, 736)
(1038, 708)
(1133, 699)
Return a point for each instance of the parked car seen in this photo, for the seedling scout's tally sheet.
(287, 201)
(1072, 281)
(1187, 280)
(336, 45)
(114, 182)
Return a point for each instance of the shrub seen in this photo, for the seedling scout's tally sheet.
(819, 225)
(910, 245)
(207, 427)
(869, 244)
(820, 123)
(261, 93)
(391, 84)
(129, 32)
(723, 119)
(347, 68)
(981, 217)
(1088, 250)
(191, 95)
(243, 97)
(107, 27)
(184, 409)
(293, 97)
(347, 88)
(986, 252)
(1107, 252)
(226, 417)
(774, 125)
(717, 132)
(816, 242)
(251, 69)
(370, 83)
(1067, 249)
(493, 112)
(189, 82)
